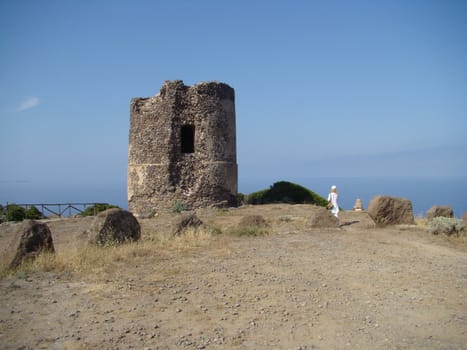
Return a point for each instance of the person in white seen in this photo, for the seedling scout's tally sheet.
(332, 198)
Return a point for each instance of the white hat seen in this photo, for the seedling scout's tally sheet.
(333, 187)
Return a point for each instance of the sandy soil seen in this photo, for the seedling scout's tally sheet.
(357, 287)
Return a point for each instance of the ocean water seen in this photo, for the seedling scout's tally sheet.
(424, 192)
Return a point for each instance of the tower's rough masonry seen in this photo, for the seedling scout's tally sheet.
(182, 148)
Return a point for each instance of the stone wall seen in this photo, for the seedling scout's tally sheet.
(182, 148)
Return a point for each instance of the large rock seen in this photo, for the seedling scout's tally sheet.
(439, 210)
(114, 226)
(252, 225)
(322, 218)
(32, 238)
(386, 210)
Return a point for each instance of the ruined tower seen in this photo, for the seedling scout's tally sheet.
(182, 148)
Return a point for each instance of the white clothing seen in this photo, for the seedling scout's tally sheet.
(332, 197)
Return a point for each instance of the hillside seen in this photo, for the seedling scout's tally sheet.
(292, 287)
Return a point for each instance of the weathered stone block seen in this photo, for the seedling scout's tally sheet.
(32, 238)
(386, 210)
(322, 218)
(439, 210)
(114, 226)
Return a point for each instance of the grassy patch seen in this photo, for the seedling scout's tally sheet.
(94, 260)
(249, 231)
(285, 218)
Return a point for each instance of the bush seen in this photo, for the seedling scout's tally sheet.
(15, 213)
(445, 225)
(97, 208)
(256, 197)
(2, 214)
(178, 207)
(241, 198)
(286, 192)
(33, 213)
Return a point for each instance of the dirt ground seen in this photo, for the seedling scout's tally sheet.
(356, 287)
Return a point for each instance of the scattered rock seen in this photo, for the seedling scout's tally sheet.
(439, 210)
(32, 238)
(187, 221)
(322, 218)
(114, 226)
(386, 210)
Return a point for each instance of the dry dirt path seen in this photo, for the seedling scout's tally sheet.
(353, 288)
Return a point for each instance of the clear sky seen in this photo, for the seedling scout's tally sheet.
(323, 88)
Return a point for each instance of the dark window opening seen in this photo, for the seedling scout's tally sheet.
(188, 138)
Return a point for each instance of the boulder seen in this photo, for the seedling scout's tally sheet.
(439, 210)
(251, 225)
(114, 226)
(322, 218)
(187, 221)
(32, 238)
(386, 210)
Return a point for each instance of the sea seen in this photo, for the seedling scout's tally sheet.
(423, 192)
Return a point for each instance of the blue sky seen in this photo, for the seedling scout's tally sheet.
(323, 88)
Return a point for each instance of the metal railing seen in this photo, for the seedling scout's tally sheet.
(58, 209)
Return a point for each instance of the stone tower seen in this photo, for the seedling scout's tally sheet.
(182, 148)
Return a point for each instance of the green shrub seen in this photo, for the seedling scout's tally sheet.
(256, 197)
(286, 192)
(2, 214)
(445, 225)
(97, 208)
(15, 213)
(33, 213)
(241, 198)
(178, 207)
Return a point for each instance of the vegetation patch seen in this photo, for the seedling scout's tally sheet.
(97, 208)
(249, 231)
(286, 192)
(447, 226)
(285, 218)
(14, 212)
(178, 207)
(103, 261)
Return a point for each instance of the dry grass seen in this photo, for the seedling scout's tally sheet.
(420, 221)
(249, 231)
(88, 259)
